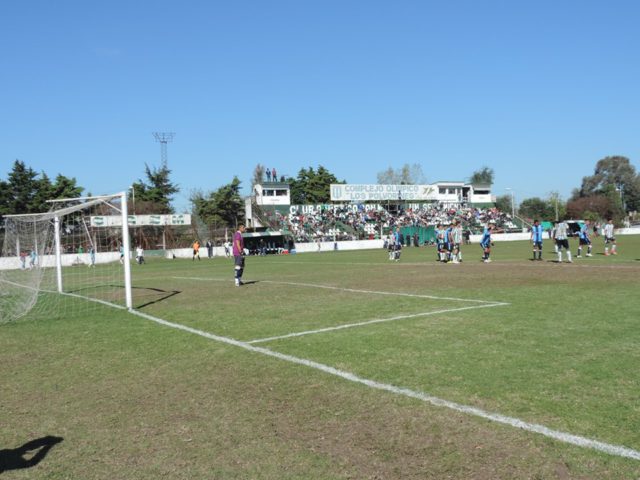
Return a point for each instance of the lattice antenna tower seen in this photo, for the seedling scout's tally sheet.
(163, 138)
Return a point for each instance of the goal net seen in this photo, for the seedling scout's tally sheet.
(48, 258)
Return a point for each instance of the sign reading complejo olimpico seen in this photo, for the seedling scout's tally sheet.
(369, 192)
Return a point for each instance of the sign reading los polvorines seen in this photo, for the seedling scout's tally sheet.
(372, 192)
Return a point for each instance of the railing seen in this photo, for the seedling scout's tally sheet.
(265, 218)
(523, 222)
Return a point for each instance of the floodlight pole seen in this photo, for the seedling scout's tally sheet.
(126, 250)
(56, 228)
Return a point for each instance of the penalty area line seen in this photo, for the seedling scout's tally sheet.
(577, 440)
(374, 321)
(351, 290)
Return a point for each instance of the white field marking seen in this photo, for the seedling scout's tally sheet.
(617, 450)
(352, 290)
(370, 322)
(479, 263)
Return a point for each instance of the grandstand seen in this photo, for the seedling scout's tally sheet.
(367, 212)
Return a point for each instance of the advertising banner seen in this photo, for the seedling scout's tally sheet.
(373, 192)
(141, 220)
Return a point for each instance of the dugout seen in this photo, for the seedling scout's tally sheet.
(426, 235)
(268, 242)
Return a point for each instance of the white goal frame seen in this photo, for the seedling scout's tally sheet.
(86, 202)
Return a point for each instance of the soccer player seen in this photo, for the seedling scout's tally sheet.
(92, 257)
(140, 255)
(121, 254)
(196, 250)
(609, 238)
(448, 243)
(584, 239)
(33, 259)
(440, 242)
(536, 239)
(238, 254)
(397, 244)
(485, 243)
(561, 237)
(456, 240)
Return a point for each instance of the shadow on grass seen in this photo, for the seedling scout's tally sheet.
(164, 294)
(28, 455)
(167, 295)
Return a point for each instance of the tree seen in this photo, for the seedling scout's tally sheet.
(556, 204)
(65, 187)
(593, 207)
(549, 209)
(503, 203)
(221, 207)
(44, 192)
(405, 175)
(4, 200)
(613, 172)
(258, 175)
(536, 208)
(484, 176)
(24, 192)
(22, 187)
(158, 191)
(312, 186)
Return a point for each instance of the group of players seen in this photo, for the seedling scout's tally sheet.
(560, 235)
(449, 240)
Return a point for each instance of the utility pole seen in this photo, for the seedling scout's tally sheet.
(133, 195)
(513, 207)
(163, 138)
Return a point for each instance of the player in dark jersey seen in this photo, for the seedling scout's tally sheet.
(440, 242)
(238, 254)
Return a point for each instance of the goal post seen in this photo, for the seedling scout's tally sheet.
(43, 254)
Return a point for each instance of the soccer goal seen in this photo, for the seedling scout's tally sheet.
(48, 258)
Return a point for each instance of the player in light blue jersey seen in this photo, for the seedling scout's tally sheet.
(397, 244)
(448, 243)
(486, 242)
(584, 239)
(536, 239)
(33, 259)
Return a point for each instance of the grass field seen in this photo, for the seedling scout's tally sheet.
(335, 365)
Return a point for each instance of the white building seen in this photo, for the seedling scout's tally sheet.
(439, 192)
(267, 199)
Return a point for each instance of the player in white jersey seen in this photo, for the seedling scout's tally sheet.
(391, 246)
(609, 238)
(456, 241)
(561, 237)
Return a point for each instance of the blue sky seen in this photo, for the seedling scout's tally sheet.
(538, 91)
